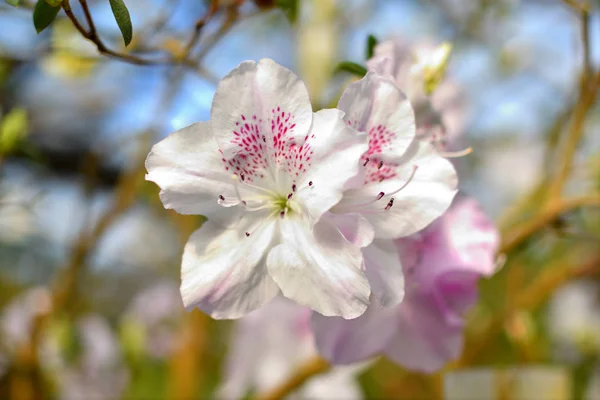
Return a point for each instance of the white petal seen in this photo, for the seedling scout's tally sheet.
(187, 166)
(319, 269)
(336, 151)
(256, 100)
(375, 105)
(384, 271)
(347, 341)
(223, 270)
(355, 228)
(428, 194)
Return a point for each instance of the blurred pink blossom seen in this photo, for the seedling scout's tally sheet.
(268, 344)
(442, 265)
(440, 116)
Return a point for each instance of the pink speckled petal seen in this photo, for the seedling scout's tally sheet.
(426, 192)
(335, 150)
(258, 108)
(375, 105)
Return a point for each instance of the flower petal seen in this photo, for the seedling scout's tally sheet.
(426, 193)
(424, 341)
(319, 269)
(344, 341)
(187, 167)
(223, 270)
(375, 105)
(335, 153)
(260, 104)
(355, 228)
(384, 271)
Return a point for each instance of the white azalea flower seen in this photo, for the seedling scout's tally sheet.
(264, 170)
(405, 183)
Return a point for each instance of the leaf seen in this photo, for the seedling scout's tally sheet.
(119, 10)
(290, 9)
(43, 15)
(54, 3)
(371, 43)
(353, 68)
(14, 3)
(13, 128)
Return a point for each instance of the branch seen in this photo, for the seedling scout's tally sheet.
(312, 367)
(519, 234)
(532, 297)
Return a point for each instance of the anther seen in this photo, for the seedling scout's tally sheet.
(290, 196)
(293, 187)
(221, 197)
(310, 183)
(282, 214)
(380, 195)
(247, 234)
(389, 204)
(366, 162)
(264, 139)
(242, 177)
(380, 165)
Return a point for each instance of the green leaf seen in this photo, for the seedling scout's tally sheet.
(371, 43)
(13, 128)
(123, 19)
(54, 3)
(14, 3)
(290, 9)
(43, 15)
(353, 68)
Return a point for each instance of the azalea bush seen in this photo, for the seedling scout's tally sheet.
(299, 199)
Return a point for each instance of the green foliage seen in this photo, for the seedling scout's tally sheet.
(54, 3)
(123, 19)
(13, 129)
(14, 3)
(43, 15)
(371, 43)
(353, 68)
(290, 8)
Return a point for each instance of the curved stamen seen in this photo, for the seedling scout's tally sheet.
(456, 154)
(242, 179)
(410, 178)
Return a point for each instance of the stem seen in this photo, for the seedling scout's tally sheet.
(312, 367)
(530, 298)
(515, 237)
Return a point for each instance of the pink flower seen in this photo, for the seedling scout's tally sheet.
(441, 265)
(405, 184)
(441, 114)
(269, 344)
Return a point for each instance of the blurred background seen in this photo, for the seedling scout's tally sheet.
(89, 259)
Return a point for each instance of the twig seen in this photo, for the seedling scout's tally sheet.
(198, 26)
(516, 236)
(312, 367)
(530, 298)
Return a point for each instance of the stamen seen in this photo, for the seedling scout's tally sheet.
(247, 234)
(410, 178)
(242, 177)
(310, 183)
(294, 187)
(380, 165)
(366, 162)
(380, 195)
(389, 204)
(289, 196)
(221, 197)
(264, 139)
(282, 214)
(456, 154)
